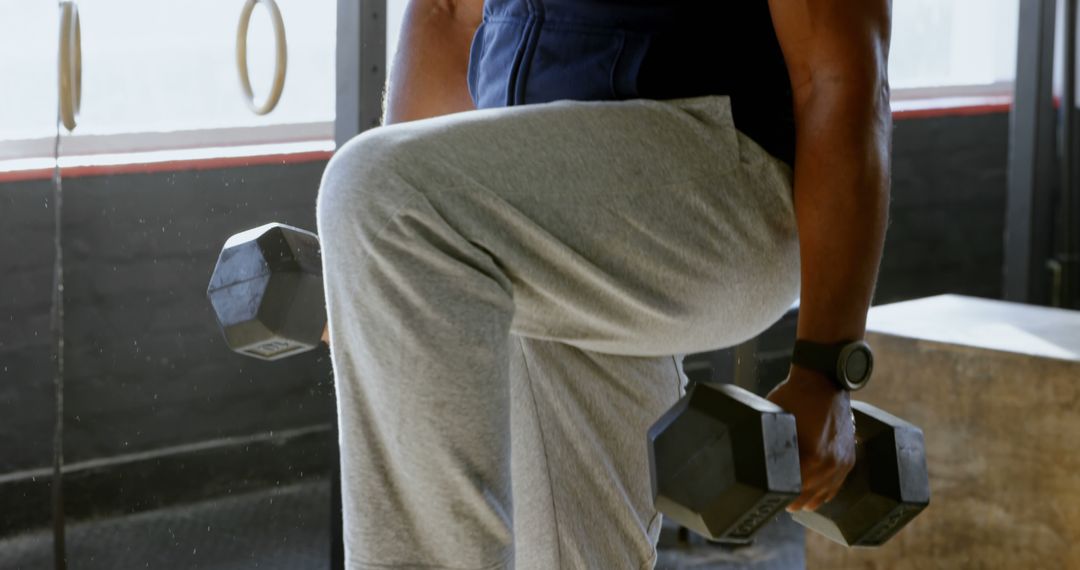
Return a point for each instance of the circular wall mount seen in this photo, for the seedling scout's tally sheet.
(70, 64)
(281, 58)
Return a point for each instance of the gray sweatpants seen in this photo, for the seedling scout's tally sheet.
(506, 289)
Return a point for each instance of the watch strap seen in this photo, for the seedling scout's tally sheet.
(835, 362)
(820, 357)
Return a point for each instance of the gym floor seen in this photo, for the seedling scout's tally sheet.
(287, 528)
(278, 528)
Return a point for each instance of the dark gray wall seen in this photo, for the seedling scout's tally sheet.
(946, 233)
(26, 393)
(147, 368)
(146, 365)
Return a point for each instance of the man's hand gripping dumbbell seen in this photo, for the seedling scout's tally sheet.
(724, 461)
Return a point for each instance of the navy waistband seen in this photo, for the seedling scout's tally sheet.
(614, 14)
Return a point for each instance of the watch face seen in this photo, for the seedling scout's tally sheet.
(858, 364)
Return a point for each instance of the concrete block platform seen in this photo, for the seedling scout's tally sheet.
(995, 387)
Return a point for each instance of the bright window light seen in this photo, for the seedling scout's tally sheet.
(162, 67)
(154, 68)
(28, 38)
(949, 43)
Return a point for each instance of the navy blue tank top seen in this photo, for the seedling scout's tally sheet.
(536, 51)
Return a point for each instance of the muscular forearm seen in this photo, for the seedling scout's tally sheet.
(428, 77)
(841, 202)
(841, 205)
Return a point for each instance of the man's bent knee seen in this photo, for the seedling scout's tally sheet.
(362, 186)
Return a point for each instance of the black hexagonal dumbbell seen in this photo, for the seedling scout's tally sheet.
(888, 487)
(267, 292)
(724, 462)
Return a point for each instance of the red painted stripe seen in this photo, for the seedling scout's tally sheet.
(167, 166)
(906, 110)
(952, 111)
(22, 175)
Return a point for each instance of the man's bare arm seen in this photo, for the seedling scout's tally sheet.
(428, 77)
(837, 53)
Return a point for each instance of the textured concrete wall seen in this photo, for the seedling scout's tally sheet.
(995, 388)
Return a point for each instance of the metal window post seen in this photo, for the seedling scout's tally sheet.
(1032, 173)
(361, 66)
(1069, 255)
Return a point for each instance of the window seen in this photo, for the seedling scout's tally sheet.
(953, 46)
(162, 75)
(27, 64)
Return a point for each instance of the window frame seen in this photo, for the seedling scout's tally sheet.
(240, 140)
(143, 142)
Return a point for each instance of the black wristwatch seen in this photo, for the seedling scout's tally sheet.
(847, 364)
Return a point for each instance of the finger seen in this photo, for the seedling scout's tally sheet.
(819, 499)
(797, 504)
(829, 491)
(812, 486)
(828, 497)
(828, 468)
(817, 475)
(821, 481)
(839, 477)
(808, 491)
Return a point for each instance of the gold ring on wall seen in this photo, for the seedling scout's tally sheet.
(70, 64)
(280, 61)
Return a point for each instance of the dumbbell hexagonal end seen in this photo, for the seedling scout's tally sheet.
(267, 292)
(724, 462)
(888, 487)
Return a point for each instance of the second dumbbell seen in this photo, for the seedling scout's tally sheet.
(724, 462)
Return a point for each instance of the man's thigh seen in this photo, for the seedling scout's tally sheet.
(582, 496)
(636, 227)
